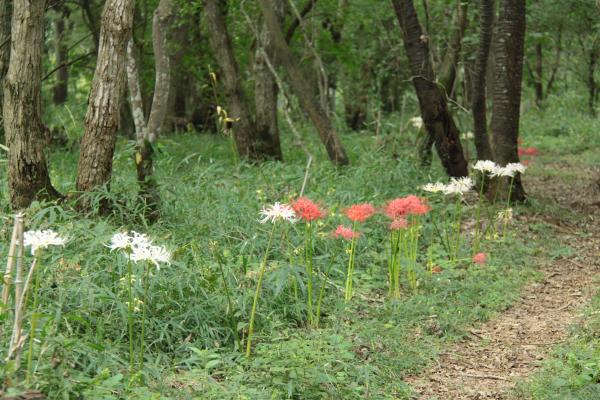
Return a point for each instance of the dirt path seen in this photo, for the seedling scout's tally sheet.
(510, 347)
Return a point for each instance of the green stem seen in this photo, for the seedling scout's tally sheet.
(144, 307)
(512, 181)
(33, 327)
(350, 272)
(130, 314)
(308, 254)
(263, 266)
(478, 220)
(458, 216)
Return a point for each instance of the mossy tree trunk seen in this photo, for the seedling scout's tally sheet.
(28, 177)
(432, 99)
(508, 51)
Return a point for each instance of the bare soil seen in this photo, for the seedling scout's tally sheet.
(510, 347)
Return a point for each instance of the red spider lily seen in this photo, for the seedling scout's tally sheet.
(527, 151)
(307, 209)
(398, 224)
(409, 205)
(360, 212)
(480, 258)
(346, 233)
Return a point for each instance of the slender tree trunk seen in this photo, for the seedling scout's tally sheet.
(508, 49)
(299, 83)
(28, 176)
(446, 73)
(479, 97)
(539, 74)
(61, 86)
(102, 118)
(557, 55)
(244, 128)
(147, 133)
(432, 101)
(266, 91)
(5, 17)
(592, 85)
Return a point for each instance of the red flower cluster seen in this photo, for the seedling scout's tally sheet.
(398, 224)
(307, 209)
(480, 258)
(360, 212)
(409, 205)
(345, 233)
(527, 151)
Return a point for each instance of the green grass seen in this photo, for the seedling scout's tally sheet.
(209, 205)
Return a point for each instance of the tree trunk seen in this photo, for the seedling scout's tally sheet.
(508, 49)
(266, 91)
(298, 81)
(557, 54)
(60, 90)
(5, 17)
(147, 133)
(102, 118)
(244, 128)
(539, 74)
(592, 85)
(28, 176)
(447, 73)
(432, 100)
(479, 97)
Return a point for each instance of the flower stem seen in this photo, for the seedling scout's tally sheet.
(478, 219)
(308, 251)
(130, 314)
(263, 266)
(350, 272)
(33, 327)
(144, 307)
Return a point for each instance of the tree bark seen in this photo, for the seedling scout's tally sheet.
(60, 91)
(557, 54)
(447, 72)
(479, 96)
(94, 168)
(299, 83)
(147, 133)
(266, 91)
(244, 128)
(508, 49)
(539, 74)
(5, 18)
(592, 85)
(28, 176)
(432, 100)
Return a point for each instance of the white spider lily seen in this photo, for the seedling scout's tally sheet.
(459, 186)
(505, 215)
(417, 122)
(42, 239)
(277, 212)
(486, 166)
(120, 241)
(434, 187)
(511, 169)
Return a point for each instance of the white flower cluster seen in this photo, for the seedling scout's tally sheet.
(42, 239)
(276, 212)
(140, 248)
(456, 186)
(416, 122)
(493, 169)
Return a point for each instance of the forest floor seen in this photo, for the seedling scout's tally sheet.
(510, 348)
